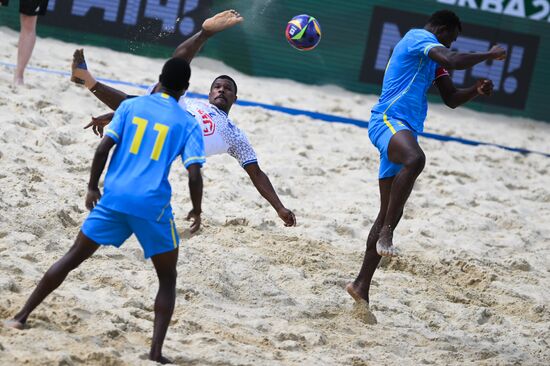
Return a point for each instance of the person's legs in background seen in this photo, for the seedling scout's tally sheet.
(27, 39)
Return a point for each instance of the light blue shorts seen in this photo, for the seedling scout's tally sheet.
(381, 129)
(108, 227)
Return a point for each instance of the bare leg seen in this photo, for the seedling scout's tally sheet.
(359, 289)
(81, 250)
(165, 265)
(27, 39)
(403, 149)
(81, 75)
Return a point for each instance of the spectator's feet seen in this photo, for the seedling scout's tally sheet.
(79, 70)
(18, 81)
(384, 246)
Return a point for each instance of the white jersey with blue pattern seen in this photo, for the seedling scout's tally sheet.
(220, 135)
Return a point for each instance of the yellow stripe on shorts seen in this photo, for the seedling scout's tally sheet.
(173, 233)
(387, 122)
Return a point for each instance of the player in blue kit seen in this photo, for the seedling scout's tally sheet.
(419, 60)
(149, 132)
(221, 135)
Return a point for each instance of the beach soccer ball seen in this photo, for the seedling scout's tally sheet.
(303, 32)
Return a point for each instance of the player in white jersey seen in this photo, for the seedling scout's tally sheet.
(220, 134)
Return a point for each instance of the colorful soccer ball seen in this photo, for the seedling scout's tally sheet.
(303, 32)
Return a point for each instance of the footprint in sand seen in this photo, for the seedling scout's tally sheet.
(237, 221)
(103, 358)
(291, 340)
(66, 219)
(483, 316)
(518, 264)
(30, 257)
(64, 139)
(289, 345)
(7, 284)
(42, 104)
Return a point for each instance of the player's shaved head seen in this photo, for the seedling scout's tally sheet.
(175, 74)
(445, 18)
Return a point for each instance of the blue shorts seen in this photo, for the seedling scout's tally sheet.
(381, 130)
(108, 227)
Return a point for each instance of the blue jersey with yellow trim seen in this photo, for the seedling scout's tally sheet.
(409, 74)
(150, 133)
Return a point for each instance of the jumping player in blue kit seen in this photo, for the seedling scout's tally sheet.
(419, 60)
(150, 132)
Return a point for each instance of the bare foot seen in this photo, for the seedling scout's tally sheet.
(160, 359)
(384, 246)
(79, 70)
(15, 324)
(221, 21)
(350, 288)
(361, 307)
(362, 311)
(17, 81)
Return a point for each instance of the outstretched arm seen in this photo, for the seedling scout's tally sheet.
(219, 22)
(110, 96)
(195, 190)
(460, 61)
(454, 97)
(81, 75)
(98, 165)
(264, 187)
(98, 123)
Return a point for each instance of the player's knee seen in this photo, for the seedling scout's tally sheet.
(416, 161)
(28, 23)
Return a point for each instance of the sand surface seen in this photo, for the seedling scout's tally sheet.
(472, 284)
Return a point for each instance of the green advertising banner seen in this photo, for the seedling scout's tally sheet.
(357, 39)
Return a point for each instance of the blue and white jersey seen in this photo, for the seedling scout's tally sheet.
(150, 133)
(221, 135)
(409, 74)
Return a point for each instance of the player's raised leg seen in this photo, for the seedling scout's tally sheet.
(80, 74)
(81, 250)
(79, 70)
(165, 265)
(218, 23)
(403, 149)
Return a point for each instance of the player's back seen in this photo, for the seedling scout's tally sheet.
(150, 132)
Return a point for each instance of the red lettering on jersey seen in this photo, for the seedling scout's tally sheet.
(208, 125)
